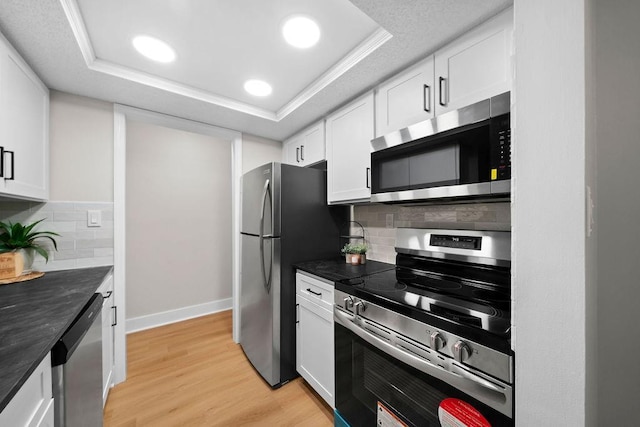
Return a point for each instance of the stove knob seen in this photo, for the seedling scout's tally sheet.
(461, 351)
(437, 341)
(348, 303)
(360, 307)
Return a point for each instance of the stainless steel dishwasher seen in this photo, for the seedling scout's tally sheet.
(77, 370)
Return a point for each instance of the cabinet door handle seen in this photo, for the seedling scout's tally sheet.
(368, 184)
(297, 154)
(318, 294)
(297, 311)
(302, 153)
(115, 315)
(13, 164)
(440, 81)
(1, 162)
(426, 98)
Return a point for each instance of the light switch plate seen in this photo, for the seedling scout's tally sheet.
(94, 218)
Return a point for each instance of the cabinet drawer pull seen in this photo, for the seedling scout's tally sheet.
(302, 153)
(318, 294)
(426, 98)
(297, 154)
(115, 315)
(367, 171)
(440, 81)
(1, 162)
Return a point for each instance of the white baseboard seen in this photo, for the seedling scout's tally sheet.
(166, 317)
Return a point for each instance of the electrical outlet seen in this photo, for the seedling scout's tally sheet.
(94, 218)
(390, 220)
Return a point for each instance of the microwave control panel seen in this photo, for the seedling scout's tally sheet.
(501, 148)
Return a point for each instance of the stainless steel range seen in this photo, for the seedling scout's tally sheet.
(428, 344)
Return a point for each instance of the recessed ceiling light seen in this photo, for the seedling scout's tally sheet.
(300, 31)
(154, 49)
(257, 87)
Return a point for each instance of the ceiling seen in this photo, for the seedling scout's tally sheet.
(84, 47)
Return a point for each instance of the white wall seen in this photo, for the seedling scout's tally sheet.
(548, 216)
(617, 69)
(257, 151)
(178, 220)
(81, 145)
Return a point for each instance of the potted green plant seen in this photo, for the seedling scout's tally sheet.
(22, 239)
(355, 253)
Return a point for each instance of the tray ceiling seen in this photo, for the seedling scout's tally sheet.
(84, 47)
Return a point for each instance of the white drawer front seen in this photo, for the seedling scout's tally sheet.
(315, 289)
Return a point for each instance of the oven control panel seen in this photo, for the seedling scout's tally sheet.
(435, 345)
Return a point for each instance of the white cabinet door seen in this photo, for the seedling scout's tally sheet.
(24, 128)
(291, 151)
(349, 134)
(305, 148)
(406, 99)
(312, 145)
(32, 404)
(106, 289)
(314, 347)
(314, 334)
(476, 66)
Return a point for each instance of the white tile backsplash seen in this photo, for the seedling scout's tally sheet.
(78, 245)
(471, 216)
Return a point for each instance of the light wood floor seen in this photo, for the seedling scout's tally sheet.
(192, 374)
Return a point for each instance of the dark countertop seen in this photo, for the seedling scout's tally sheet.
(337, 269)
(34, 315)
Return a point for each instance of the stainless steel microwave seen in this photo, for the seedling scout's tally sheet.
(462, 154)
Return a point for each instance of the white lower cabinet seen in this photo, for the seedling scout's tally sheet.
(32, 406)
(314, 334)
(106, 289)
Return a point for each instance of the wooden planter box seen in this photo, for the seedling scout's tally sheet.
(11, 265)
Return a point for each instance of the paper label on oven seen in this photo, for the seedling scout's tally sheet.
(386, 418)
(457, 413)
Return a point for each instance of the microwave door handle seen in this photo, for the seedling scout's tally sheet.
(265, 277)
(492, 394)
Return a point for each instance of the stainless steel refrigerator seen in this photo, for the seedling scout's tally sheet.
(285, 219)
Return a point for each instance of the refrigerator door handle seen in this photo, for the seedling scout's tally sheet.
(267, 278)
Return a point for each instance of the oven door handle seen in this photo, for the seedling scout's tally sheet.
(459, 370)
(496, 396)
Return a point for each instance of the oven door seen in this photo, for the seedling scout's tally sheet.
(374, 388)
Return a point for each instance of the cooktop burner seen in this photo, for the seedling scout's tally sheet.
(453, 298)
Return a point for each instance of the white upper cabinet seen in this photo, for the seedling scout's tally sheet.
(406, 99)
(476, 66)
(349, 134)
(305, 148)
(24, 129)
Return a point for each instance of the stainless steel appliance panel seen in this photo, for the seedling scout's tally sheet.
(285, 220)
(261, 201)
(260, 305)
(77, 382)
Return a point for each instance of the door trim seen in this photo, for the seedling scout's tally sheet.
(120, 115)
